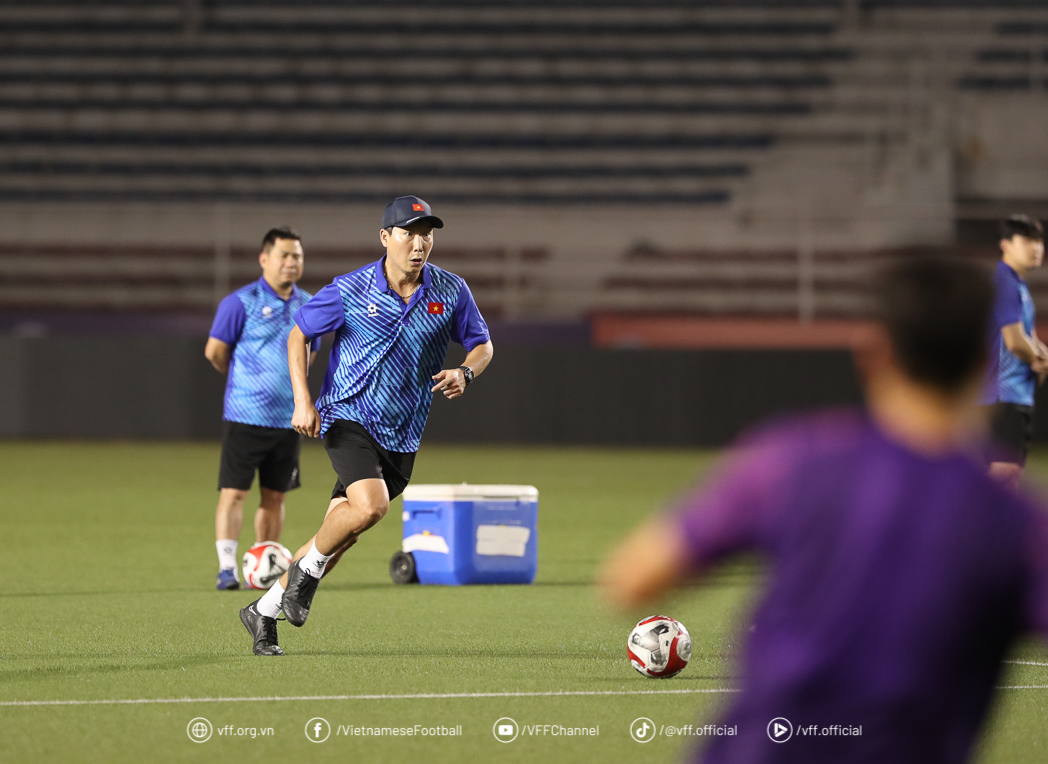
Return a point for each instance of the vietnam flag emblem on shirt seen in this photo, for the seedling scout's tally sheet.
(436, 308)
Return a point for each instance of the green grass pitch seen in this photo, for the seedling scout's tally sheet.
(109, 595)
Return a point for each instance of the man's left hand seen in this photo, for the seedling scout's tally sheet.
(1040, 368)
(451, 382)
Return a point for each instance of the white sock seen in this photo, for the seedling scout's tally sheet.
(314, 562)
(269, 605)
(227, 553)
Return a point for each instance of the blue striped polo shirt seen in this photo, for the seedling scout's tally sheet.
(386, 351)
(255, 322)
(1016, 381)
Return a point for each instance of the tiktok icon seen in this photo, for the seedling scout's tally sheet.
(643, 730)
(317, 730)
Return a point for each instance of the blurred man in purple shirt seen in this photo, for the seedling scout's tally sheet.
(899, 572)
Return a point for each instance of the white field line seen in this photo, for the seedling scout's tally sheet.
(415, 696)
(1028, 663)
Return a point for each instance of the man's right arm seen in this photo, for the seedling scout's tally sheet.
(322, 314)
(218, 353)
(225, 332)
(1021, 345)
(306, 419)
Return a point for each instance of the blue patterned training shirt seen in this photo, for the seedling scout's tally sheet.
(386, 351)
(255, 322)
(1015, 381)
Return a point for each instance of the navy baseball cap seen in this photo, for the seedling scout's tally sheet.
(405, 210)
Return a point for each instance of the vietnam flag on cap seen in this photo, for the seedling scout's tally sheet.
(418, 208)
(436, 308)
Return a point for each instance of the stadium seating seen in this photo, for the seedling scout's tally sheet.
(184, 101)
(744, 116)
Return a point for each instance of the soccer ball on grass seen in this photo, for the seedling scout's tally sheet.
(659, 647)
(264, 563)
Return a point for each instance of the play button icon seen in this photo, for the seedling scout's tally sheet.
(780, 730)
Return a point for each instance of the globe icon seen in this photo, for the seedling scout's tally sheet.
(199, 730)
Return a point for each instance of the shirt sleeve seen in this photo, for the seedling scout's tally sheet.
(1008, 306)
(322, 314)
(229, 320)
(468, 327)
(726, 514)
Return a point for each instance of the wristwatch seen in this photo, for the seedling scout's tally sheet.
(467, 373)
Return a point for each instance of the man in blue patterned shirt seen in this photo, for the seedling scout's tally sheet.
(393, 321)
(248, 342)
(1018, 359)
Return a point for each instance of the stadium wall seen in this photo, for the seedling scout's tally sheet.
(140, 387)
(98, 387)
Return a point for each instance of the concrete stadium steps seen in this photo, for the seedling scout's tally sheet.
(823, 284)
(525, 98)
(505, 281)
(377, 190)
(192, 279)
(545, 167)
(439, 17)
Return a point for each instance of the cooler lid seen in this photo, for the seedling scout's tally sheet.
(469, 492)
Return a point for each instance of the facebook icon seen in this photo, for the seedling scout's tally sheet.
(317, 730)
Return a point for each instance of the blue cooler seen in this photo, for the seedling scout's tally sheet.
(469, 534)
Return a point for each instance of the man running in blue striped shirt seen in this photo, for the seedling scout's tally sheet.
(393, 321)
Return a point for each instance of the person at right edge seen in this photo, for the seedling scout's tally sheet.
(899, 574)
(1018, 361)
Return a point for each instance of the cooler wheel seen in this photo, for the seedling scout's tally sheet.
(402, 568)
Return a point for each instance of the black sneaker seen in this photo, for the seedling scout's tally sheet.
(298, 595)
(262, 629)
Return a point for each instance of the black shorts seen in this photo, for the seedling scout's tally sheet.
(273, 451)
(1011, 430)
(356, 455)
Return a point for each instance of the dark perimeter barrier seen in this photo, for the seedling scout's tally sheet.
(95, 386)
(91, 386)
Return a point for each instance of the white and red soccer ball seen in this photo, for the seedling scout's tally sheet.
(264, 563)
(659, 647)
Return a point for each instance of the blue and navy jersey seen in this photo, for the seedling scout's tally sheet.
(255, 323)
(1016, 381)
(386, 351)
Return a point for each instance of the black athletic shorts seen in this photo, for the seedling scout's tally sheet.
(273, 451)
(356, 455)
(1011, 429)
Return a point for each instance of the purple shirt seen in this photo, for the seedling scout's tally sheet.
(897, 582)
